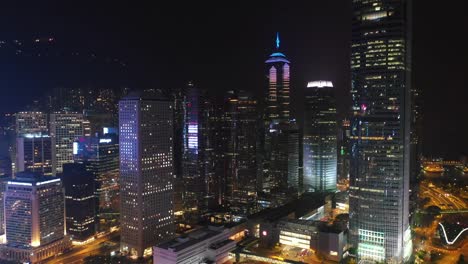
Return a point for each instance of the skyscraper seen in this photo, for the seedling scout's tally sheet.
(146, 173)
(64, 128)
(100, 155)
(192, 154)
(241, 151)
(28, 124)
(320, 137)
(276, 158)
(294, 177)
(34, 153)
(277, 100)
(380, 130)
(80, 202)
(194, 151)
(34, 218)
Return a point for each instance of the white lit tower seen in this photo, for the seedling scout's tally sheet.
(320, 138)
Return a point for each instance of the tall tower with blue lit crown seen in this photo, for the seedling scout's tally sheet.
(280, 164)
(278, 86)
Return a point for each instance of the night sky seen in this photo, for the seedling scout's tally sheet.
(223, 47)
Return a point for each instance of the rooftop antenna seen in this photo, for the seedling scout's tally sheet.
(277, 40)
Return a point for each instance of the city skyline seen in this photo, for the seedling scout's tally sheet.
(304, 132)
(315, 37)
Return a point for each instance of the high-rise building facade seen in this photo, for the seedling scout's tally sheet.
(380, 130)
(343, 151)
(34, 218)
(294, 177)
(100, 155)
(320, 138)
(31, 123)
(146, 173)
(28, 124)
(192, 157)
(278, 100)
(64, 128)
(241, 125)
(193, 152)
(34, 153)
(3, 182)
(275, 144)
(80, 202)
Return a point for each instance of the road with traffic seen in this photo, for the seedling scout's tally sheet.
(96, 247)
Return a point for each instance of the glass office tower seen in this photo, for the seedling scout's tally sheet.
(320, 138)
(380, 130)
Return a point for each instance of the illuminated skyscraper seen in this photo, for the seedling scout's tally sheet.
(194, 151)
(380, 130)
(29, 125)
(146, 173)
(320, 137)
(80, 202)
(64, 128)
(276, 157)
(277, 100)
(192, 166)
(241, 126)
(100, 155)
(34, 218)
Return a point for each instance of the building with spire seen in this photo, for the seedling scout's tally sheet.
(277, 99)
(279, 164)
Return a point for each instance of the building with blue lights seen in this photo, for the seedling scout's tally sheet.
(146, 173)
(320, 138)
